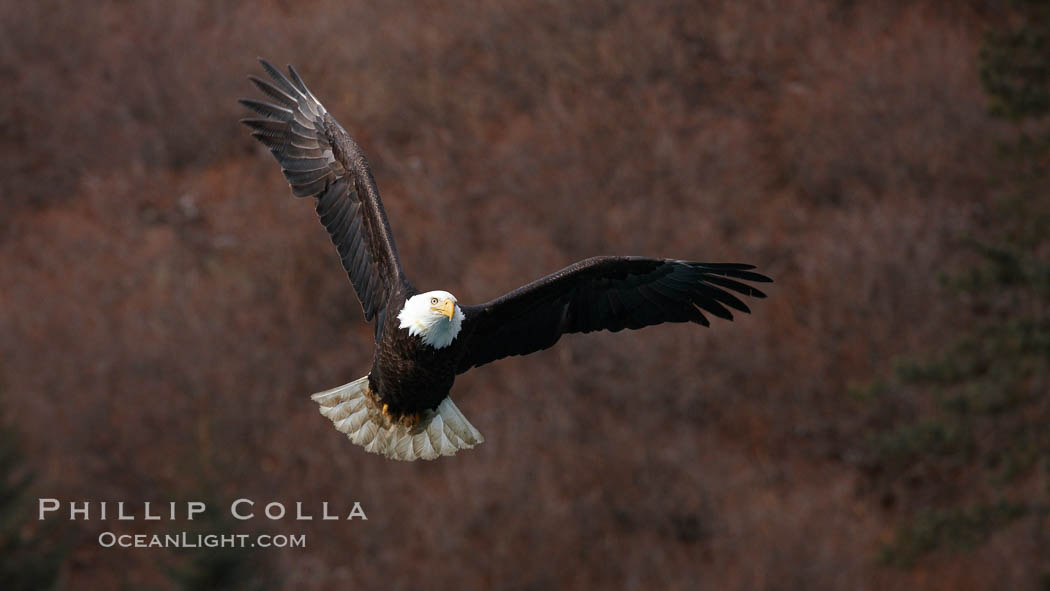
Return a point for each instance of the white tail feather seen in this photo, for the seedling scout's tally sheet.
(353, 410)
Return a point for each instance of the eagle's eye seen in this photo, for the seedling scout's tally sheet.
(433, 301)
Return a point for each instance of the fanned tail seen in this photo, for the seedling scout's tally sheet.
(353, 410)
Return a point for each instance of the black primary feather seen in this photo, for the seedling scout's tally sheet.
(319, 159)
(603, 293)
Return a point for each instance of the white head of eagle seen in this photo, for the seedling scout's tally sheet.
(433, 316)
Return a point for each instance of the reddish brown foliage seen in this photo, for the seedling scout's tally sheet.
(167, 306)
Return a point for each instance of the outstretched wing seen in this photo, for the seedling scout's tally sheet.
(321, 160)
(603, 293)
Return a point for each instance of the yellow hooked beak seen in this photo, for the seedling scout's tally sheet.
(447, 308)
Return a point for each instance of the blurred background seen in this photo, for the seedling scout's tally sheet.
(880, 421)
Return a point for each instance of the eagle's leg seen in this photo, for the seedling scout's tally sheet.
(409, 419)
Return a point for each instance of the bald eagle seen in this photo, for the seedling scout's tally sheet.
(402, 408)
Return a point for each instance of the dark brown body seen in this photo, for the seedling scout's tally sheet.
(408, 375)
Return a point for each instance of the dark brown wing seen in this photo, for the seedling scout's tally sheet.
(321, 160)
(603, 293)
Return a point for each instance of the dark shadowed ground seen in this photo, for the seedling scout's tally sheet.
(166, 306)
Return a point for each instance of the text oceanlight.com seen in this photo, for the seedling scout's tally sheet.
(188, 540)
